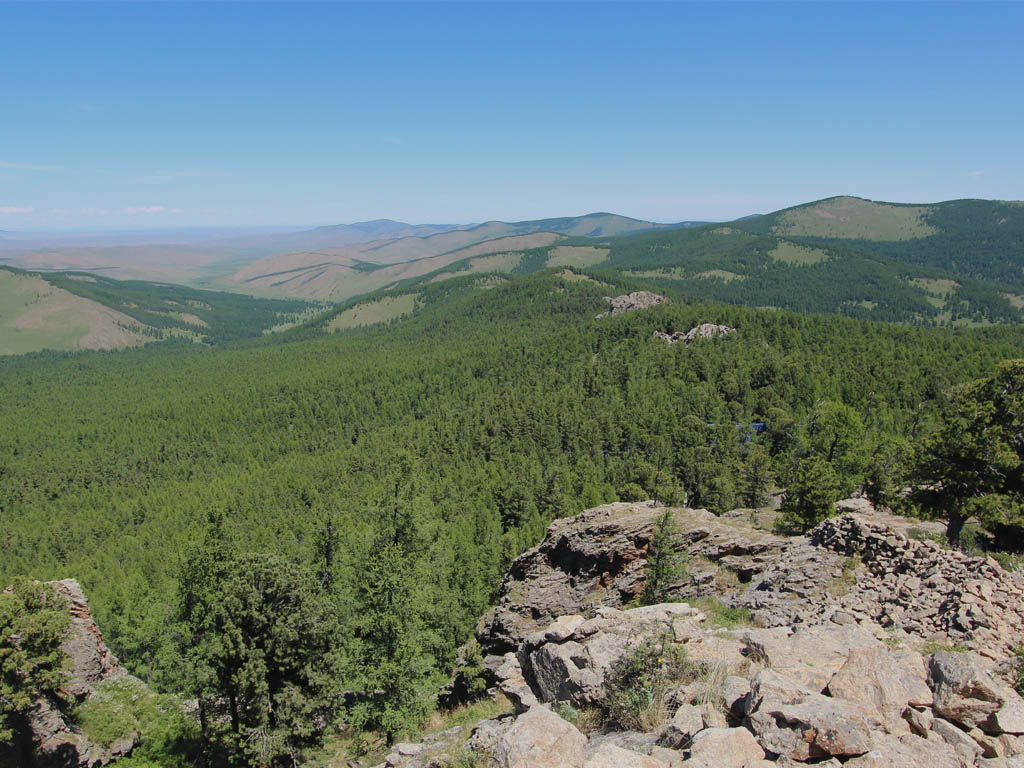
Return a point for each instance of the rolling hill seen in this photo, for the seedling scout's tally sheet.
(954, 263)
(337, 273)
(66, 311)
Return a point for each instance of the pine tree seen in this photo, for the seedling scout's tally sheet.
(388, 654)
(33, 620)
(665, 563)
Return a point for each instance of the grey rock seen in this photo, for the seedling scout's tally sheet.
(964, 692)
(685, 724)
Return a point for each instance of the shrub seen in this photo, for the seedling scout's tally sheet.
(637, 682)
(811, 496)
(33, 619)
(121, 708)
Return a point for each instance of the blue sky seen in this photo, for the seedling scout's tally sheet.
(142, 115)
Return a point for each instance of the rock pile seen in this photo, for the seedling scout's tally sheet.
(917, 587)
(926, 590)
(702, 331)
(631, 302)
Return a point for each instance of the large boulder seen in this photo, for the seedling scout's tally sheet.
(797, 722)
(964, 692)
(871, 678)
(540, 739)
(724, 748)
(811, 655)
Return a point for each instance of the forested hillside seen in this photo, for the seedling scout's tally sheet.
(953, 264)
(460, 431)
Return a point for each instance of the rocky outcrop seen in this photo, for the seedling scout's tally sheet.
(860, 566)
(631, 302)
(50, 738)
(838, 666)
(844, 695)
(702, 331)
(596, 560)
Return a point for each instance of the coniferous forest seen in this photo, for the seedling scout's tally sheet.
(363, 492)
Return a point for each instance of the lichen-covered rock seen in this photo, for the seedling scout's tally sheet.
(964, 692)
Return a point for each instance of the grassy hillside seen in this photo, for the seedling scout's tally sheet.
(75, 310)
(35, 315)
(977, 239)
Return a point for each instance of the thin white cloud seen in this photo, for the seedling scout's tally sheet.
(392, 140)
(150, 209)
(84, 106)
(15, 209)
(30, 166)
(978, 174)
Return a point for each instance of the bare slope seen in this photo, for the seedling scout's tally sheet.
(35, 315)
(340, 276)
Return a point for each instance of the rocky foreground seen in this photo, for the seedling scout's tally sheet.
(867, 648)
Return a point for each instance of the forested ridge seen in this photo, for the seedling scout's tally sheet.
(406, 465)
(964, 267)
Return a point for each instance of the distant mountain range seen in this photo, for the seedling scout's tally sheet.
(958, 263)
(209, 257)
